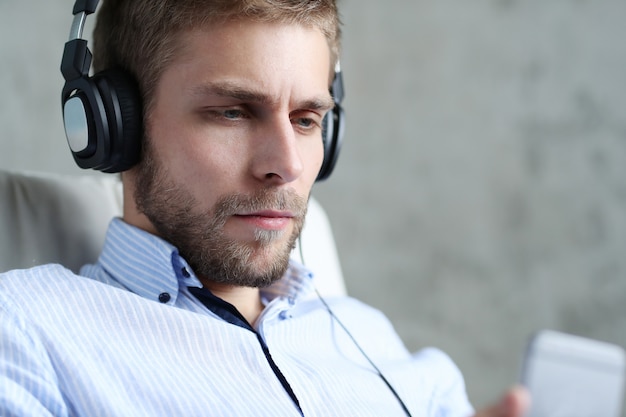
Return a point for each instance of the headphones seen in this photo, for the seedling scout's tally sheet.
(102, 114)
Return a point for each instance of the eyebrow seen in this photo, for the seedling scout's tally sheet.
(232, 90)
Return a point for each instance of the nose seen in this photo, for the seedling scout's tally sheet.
(278, 156)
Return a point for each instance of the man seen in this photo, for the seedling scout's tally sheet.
(194, 307)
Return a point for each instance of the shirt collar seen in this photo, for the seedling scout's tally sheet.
(152, 268)
(296, 284)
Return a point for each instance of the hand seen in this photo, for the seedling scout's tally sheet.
(514, 403)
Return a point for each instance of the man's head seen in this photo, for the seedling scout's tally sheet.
(236, 92)
(142, 36)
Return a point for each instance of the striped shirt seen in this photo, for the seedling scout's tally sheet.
(127, 338)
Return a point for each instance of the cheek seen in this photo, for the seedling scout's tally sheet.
(317, 157)
(206, 169)
(192, 149)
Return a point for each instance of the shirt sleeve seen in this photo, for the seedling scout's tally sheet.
(451, 395)
(28, 384)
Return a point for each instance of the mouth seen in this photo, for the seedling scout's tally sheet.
(267, 219)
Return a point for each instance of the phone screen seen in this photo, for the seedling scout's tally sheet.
(572, 376)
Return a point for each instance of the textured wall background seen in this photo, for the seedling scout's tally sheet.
(481, 191)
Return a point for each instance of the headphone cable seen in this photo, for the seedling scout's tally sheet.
(358, 346)
(371, 362)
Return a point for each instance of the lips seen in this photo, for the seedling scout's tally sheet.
(268, 213)
(267, 219)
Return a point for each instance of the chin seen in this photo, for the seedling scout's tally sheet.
(268, 263)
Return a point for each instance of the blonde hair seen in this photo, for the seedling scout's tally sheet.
(140, 36)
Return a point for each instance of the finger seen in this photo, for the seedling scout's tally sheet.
(514, 403)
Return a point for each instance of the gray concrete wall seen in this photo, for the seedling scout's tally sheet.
(481, 191)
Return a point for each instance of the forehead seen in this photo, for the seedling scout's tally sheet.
(235, 45)
(283, 63)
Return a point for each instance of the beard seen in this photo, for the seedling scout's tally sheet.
(200, 237)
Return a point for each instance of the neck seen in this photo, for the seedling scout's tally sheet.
(245, 299)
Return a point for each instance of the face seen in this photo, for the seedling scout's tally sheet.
(234, 146)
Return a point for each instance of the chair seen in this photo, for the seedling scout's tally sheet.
(53, 218)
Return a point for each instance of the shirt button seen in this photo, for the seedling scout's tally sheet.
(283, 315)
(185, 273)
(164, 297)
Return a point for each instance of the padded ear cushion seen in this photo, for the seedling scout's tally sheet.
(333, 128)
(122, 102)
(332, 136)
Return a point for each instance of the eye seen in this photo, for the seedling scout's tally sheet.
(224, 114)
(232, 114)
(304, 122)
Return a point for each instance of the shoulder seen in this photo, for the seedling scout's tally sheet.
(45, 287)
(27, 374)
(22, 288)
(22, 294)
(22, 279)
(366, 324)
(352, 310)
(50, 277)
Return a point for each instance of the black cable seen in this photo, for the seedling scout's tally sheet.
(358, 346)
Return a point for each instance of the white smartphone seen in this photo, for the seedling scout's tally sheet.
(572, 376)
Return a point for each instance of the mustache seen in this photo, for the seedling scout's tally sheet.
(264, 199)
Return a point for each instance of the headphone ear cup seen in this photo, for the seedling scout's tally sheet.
(333, 127)
(123, 114)
(332, 137)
